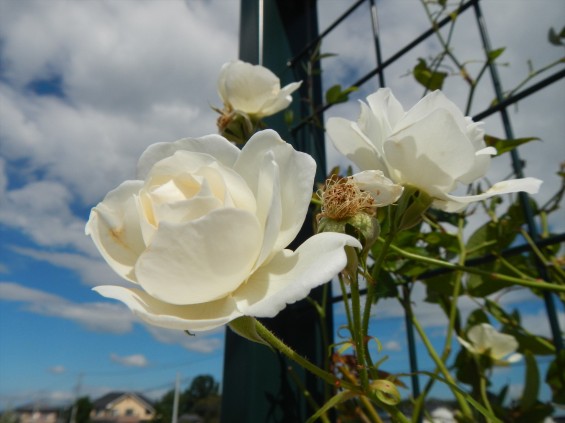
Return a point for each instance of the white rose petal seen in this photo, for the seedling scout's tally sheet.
(290, 276)
(432, 146)
(253, 89)
(484, 339)
(204, 237)
(382, 189)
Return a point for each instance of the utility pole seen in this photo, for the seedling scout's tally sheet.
(74, 410)
(176, 400)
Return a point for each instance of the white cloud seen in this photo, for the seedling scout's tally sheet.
(131, 72)
(134, 360)
(105, 317)
(538, 323)
(97, 316)
(202, 342)
(123, 89)
(392, 346)
(57, 369)
(41, 210)
(93, 271)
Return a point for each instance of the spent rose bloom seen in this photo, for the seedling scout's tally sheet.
(253, 90)
(432, 146)
(484, 339)
(202, 233)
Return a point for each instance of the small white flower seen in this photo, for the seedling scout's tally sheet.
(253, 89)
(202, 233)
(432, 147)
(484, 339)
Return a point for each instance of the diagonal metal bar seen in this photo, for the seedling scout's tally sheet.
(520, 95)
(518, 166)
(388, 62)
(296, 59)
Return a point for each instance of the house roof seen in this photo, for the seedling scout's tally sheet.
(111, 398)
(33, 407)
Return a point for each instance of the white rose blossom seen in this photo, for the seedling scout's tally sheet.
(432, 146)
(202, 233)
(253, 89)
(484, 339)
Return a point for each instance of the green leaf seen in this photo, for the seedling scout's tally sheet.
(494, 54)
(555, 378)
(245, 326)
(555, 38)
(504, 146)
(432, 80)
(385, 286)
(439, 286)
(410, 208)
(496, 236)
(478, 316)
(481, 286)
(335, 94)
(531, 385)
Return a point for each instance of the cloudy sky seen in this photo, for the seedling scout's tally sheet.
(86, 86)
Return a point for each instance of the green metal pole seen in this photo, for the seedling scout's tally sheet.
(257, 386)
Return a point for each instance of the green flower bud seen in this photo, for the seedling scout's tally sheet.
(361, 226)
(386, 391)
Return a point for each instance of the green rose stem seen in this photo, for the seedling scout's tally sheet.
(529, 283)
(313, 404)
(443, 369)
(345, 301)
(362, 329)
(483, 388)
(371, 285)
(359, 334)
(452, 317)
(275, 342)
(541, 256)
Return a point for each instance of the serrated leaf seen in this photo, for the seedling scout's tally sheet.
(432, 80)
(504, 146)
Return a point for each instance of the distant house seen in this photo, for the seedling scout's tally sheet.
(122, 407)
(34, 413)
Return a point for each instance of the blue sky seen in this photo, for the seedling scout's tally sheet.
(85, 87)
